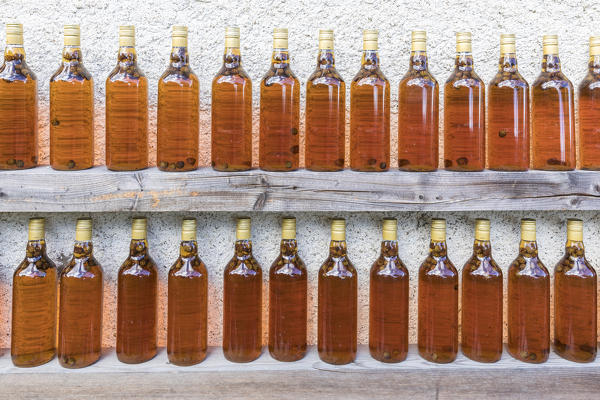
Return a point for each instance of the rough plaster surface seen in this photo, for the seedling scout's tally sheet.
(574, 21)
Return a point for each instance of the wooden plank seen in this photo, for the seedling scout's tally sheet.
(306, 379)
(98, 190)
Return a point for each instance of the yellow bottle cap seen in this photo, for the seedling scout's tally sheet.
(575, 230)
(370, 39)
(594, 46)
(71, 35)
(83, 230)
(438, 229)
(390, 229)
(288, 228)
(482, 229)
(14, 34)
(188, 229)
(232, 37)
(326, 39)
(242, 231)
(138, 228)
(179, 36)
(338, 229)
(550, 44)
(280, 38)
(528, 229)
(508, 44)
(463, 42)
(418, 41)
(127, 36)
(36, 228)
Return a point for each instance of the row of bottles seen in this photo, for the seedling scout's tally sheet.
(80, 285)
(514, 111)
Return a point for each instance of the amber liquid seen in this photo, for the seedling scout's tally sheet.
(126, 115)
(528, 306)
(178, 115)
(287, 304)
(418, 117)
(231, 115)
(80, 315)
(388, 306)
(370, 117)
(188, 307)
(33, 335)
(337, 307)
(552, 118)
(438, 306)
(71, 114)
(464, 118)
(325, 116)
(18, 112)
(508, 118)
(575, 318)
(137, 305)
(242, 305)
(481, 321)
(589, 116)
(279, 144)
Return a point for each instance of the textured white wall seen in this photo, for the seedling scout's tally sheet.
(574, 21)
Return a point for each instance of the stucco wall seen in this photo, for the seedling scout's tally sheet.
(574, 21)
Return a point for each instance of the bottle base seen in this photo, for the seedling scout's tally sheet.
(33, 360)
(72, 362)
(529, 357)
(134, 359)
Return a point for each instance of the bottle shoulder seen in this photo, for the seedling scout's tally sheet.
(528, 266)
(37, 266)
(552, 80)
(280, 76)
(189, 267)
(508, 79)
(82, 268)
(570, 266)
(420, 78)
(370, 76)
(438, 266)
(71, 72)
(460, 79)
(482, 267)
(139, 266)
(389, 267)
(246, 265)
(325, 76)
(127, 73)
(288, 266)
(13, 71)
(180, 75)
(337, 266)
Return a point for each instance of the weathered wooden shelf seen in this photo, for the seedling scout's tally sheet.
(99, 190)
(309, 378)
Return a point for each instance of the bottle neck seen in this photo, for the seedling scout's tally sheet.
(71, 53)
(188, 248)
(508, 62)
(437, 248)
(280, 58)
(389, 248)
(83, 249)
(325, 59)
(575, 248)
(127, 56)
(594, 64)
(179, 57)
(550, 63)
(35, 249)
(528, 248)
(289, 247)
(138, 248)
(243, 249)
(370, 59)
(418, 61)
(232, 57)
(482, 248)
(464, 61)
(337, 248)
(13, 52)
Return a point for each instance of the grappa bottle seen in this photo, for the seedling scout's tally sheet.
(80, 312)
(137, 300)
(370, 111)
(231, 110)
(178, 110)
(242, 300)
(589, 110)
(325, 111)
(388, 304)
(552, 114)
(126, 109)
(418, 111)
(33, 334)
(18, 105)
(287, 299)
(71, 108)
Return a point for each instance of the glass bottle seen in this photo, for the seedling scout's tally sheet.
(242, 300)
(126, 109)
(508, 113)
(187, 302)
(325, 111)
(528, 301)
(71, 108)
(575, 301)
(482, 301)
(137, 300)
(589, 110)
(464, 112)
(18, 105)
(337, 301)
(287, 299)
(80, 313)
(388, 304)
(438, 300)
(33, 334)
(370, 111)
(178, 118)
(418, 111)
(279, 143)
(552, 114)
(231, 110)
